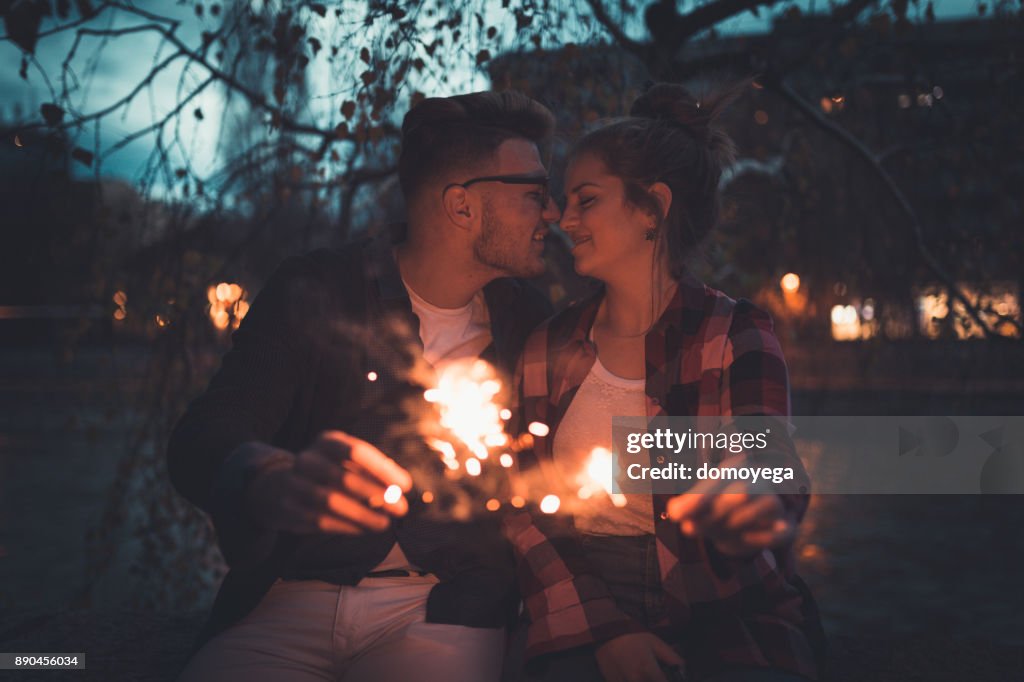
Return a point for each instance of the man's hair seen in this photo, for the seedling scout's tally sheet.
(441, 135)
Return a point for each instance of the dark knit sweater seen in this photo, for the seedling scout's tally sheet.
(298, 366)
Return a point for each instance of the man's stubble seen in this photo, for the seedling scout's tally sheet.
(497, 247)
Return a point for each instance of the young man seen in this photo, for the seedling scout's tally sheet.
(285, 449)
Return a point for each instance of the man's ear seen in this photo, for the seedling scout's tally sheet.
(458, 206)
(662, 193)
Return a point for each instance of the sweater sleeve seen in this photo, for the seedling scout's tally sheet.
(224, 438)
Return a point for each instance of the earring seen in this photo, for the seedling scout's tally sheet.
(649, 234)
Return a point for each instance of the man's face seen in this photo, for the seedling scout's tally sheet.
(514, 218)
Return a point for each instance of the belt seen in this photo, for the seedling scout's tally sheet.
(395, 573)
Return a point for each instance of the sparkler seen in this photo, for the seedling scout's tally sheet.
(597, 476)
(466, 429)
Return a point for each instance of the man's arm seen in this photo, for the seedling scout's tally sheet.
(220, 456)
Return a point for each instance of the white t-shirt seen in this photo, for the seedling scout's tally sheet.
(452, 333)
(588, 424)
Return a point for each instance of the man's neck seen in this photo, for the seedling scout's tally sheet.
(438, 275)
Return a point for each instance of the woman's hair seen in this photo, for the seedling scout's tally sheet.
(670, 137)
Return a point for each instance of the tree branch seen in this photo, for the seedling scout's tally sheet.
(712, 13)
(620, 37)
(913, 222)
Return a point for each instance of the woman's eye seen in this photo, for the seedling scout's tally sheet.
(584, 202)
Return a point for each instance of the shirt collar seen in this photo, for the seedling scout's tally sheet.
(683, 313)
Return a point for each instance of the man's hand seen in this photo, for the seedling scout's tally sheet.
(635, 658)
(335, 486)
(738, 519)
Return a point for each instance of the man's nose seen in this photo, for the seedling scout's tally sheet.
(551, 213)
(568, 220)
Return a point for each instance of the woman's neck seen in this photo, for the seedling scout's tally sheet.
(633, 304)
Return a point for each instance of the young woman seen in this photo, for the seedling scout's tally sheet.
(698, 586)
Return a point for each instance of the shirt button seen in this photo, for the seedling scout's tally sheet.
(663, 515)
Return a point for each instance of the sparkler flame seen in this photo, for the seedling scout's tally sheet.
(597, 475)
(465, 398)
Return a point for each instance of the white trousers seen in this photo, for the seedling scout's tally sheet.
(309, 630)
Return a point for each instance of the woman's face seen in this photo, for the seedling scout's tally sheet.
(607, 231)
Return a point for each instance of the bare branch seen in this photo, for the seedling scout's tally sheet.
(624, 41)
(912, 220)
(710, 14)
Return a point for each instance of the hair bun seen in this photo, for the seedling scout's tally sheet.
(673, 103)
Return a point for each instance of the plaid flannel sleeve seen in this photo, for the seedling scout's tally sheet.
(755, 381)
(567, 604)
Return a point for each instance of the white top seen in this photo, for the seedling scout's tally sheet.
(452, 333)
(588, 424)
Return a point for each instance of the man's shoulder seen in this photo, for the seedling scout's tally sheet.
(321, 267)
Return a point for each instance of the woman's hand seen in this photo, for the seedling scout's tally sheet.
(635, 658)
(733, 515)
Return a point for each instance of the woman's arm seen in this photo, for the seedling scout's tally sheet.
(739, 520)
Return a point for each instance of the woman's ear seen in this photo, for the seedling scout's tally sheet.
(458, 206)
(663, 195)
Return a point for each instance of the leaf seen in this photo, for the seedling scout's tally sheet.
(52, 114)
(491, 32)
(22, 21)
(368, 77)
(198, 114)
(63, 8)
(348, 109)
(319, 8)
(82, 155)
(364, 54)
(180, 173)
(341, 131)
(315, 45)
(482, 56)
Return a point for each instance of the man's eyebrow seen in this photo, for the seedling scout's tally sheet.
(580, 186)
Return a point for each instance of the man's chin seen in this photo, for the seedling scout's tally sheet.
(534, 267)
(525, 270)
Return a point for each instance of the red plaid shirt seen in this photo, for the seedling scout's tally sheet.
(706, 356)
